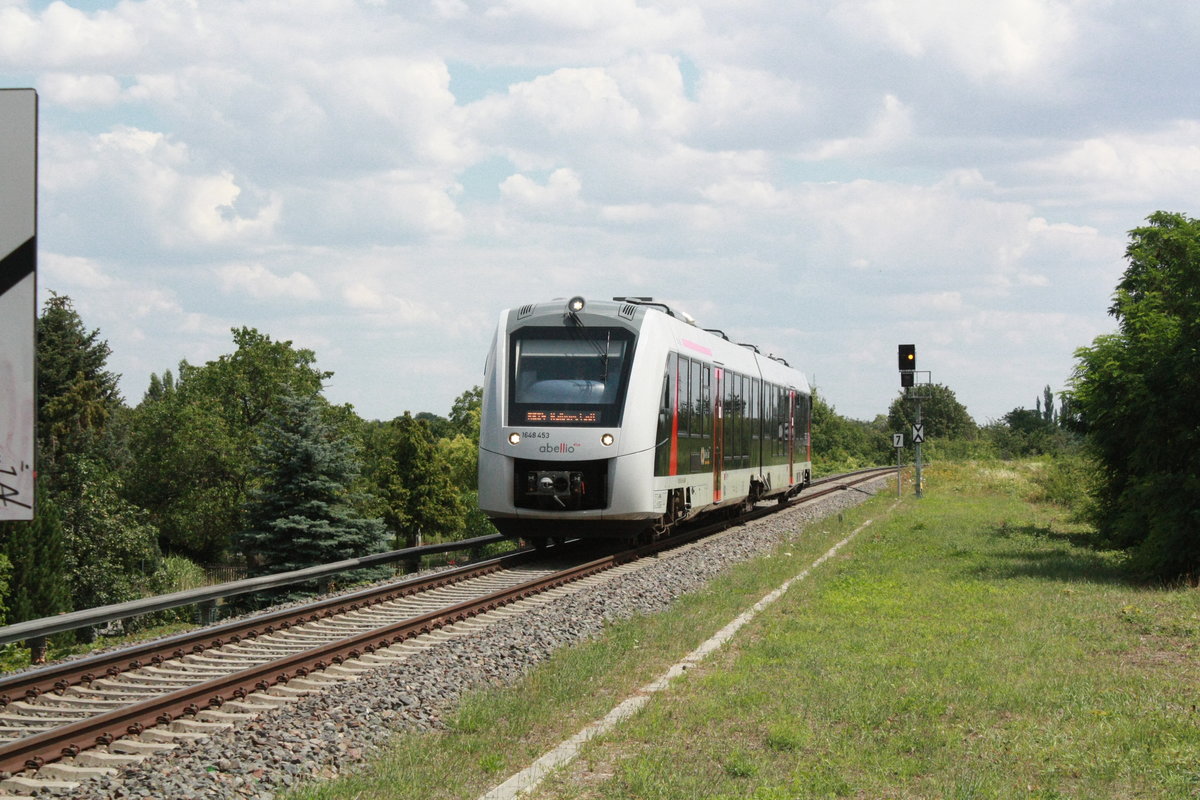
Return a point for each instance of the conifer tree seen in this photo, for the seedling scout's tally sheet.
(413, 483)
(76, 392)
(40, 588)
(301, 515)
(108, 548)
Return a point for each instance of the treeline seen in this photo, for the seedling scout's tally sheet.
(239, 466)
(840, 443)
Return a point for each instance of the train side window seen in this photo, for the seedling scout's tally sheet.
(780, 421)
(685, 396)
(695, 393)
(706, 424)
(771, 416)
(730, 416)
(755, 412)
(803, 420)
(662, 453)
(733, 420)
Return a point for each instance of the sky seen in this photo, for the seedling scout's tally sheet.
(375, 180)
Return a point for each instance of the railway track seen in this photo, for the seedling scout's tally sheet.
(85, 718)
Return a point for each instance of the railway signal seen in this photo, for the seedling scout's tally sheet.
(907, 363)
(906, 358)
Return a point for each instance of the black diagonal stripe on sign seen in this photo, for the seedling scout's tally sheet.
(18, 265)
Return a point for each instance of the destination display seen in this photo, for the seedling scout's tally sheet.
(563, 417)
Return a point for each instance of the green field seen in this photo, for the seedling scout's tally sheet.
(969, 644)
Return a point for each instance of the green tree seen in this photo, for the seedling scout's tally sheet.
(108, 547)
(1046, 406)
(840, 443)
(411, 483)
(1021, 432)
(465, 413)
(301, 515)
(193, 436)
(187, 470)
(5, 571)
(41, 587)
(439, 427)
(111, 547)
(1042, 431)
(1134, 395)
(941, 414)
(77, 394)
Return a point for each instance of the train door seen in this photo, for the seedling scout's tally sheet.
(718, 430)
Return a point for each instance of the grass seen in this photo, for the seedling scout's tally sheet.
(969, 645)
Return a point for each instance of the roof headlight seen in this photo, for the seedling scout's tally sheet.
(607, 439)
(514, 438)
(575, 304)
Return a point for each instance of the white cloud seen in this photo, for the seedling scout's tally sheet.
(738, 106)
(255, 280)
(80, 92)
(554, 109)
(561, 190)
(746, 193)
(1153, 166)
(1005, 40)
(893, 127)
(63, 37)
(67, 273)
(148, 182)
(385, 307)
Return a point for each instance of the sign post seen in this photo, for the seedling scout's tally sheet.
(18, 301)
(898, 443)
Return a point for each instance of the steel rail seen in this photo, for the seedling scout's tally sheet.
(34, 751)
(48, 626)
(57, 677)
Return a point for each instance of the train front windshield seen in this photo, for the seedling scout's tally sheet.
(563, 376)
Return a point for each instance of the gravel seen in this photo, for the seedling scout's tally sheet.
(324, 733)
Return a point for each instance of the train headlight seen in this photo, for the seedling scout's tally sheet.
(575, 304)
(514, 438)
(607, 440)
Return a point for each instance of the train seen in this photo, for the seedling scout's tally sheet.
(622, 419)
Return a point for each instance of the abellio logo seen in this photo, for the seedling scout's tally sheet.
(558, 448)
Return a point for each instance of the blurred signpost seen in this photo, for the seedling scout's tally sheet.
(18, 300)
(898, 443)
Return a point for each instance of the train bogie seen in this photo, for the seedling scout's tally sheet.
(612, 418)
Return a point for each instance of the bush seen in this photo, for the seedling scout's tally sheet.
(1068, 481)
(174, 574)
(177, 574)
(975, 449)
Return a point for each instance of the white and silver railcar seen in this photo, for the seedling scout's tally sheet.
(624, 417)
